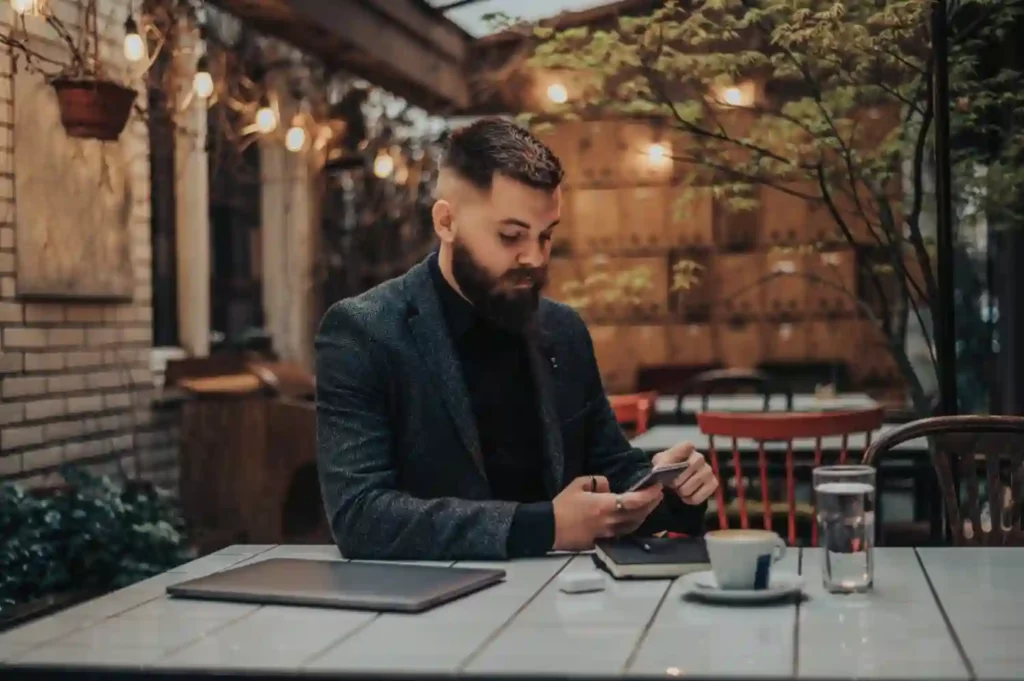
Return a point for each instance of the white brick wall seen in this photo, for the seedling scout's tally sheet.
(75, 384)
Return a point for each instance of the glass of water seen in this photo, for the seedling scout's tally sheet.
(845, 497)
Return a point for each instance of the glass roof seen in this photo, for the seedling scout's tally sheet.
(470, 16)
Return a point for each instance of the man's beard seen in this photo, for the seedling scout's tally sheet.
(513, 309)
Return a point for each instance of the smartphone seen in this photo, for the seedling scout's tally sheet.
(662, 475)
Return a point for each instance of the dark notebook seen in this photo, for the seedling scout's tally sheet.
(651, 557)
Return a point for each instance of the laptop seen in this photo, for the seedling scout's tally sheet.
(383, 587)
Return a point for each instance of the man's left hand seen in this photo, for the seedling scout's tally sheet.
(698, 482)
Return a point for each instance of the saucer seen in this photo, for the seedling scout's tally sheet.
(781, 586)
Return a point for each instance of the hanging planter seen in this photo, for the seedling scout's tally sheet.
(93, 108)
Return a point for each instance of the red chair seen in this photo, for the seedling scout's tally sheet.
(634, 410)
(773, 427)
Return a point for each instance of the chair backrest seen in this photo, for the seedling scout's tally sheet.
(726, 381)
(960, 446)
(785, 427)
(634, 410)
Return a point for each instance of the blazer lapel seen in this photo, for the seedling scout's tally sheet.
(542, 362)
(435, 345)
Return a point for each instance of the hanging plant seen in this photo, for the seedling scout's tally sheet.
(92, 105)
(93, 108)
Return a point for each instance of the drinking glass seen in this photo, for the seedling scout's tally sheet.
(846, 526)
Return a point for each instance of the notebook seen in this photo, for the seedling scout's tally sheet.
(627, 558)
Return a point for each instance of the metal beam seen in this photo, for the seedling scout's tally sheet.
(405, 53)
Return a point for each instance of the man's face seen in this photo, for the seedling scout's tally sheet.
(501, 247)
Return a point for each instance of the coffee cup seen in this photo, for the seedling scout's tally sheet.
(742, 559)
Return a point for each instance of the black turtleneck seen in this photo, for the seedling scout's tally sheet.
(499, 380)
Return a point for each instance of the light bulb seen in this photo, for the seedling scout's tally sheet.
(383, 165)
(657, 153)
(295, 138)
(266, 120)
(26, 7)
(733, 96)
(202, 84)
(557, 93)
(134, 47)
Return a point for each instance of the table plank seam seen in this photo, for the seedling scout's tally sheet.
(310, 659)
(796, 620)
(508, 622)
(972, 675)
(86, 624)
(647, 628)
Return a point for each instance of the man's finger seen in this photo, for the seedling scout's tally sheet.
(691, 485)
(639, 499)
(675, 454)
(594, 483)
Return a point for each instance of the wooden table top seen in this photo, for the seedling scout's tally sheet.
(936, 613)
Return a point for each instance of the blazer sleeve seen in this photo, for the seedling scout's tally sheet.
(610, 454)
(369, 516)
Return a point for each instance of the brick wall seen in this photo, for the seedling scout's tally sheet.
(75, 384)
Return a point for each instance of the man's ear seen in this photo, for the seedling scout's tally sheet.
(441, 213)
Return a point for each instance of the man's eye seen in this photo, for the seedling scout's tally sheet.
(546, 237)
(509, 238)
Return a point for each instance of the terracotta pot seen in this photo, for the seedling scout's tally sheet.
(93, 109)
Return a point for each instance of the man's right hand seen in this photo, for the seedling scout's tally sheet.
(586, 510)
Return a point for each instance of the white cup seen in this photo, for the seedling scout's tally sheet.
(742, 559)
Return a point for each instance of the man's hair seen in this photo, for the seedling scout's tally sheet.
(495, 145)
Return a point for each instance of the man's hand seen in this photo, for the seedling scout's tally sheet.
(586, 510)
(698, 482)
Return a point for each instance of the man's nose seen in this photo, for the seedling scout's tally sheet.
(532, 256)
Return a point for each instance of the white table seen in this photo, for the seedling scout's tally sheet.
(666, 404)
(967, 618)
(662, 437)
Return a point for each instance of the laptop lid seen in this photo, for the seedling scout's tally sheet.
(397, 587)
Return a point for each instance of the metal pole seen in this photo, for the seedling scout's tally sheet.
(945, 331)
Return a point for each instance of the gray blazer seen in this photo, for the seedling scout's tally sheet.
(399, 460)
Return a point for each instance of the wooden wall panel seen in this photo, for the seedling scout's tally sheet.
(786, 341)
(784, 217)
(698, 300)
(689, 218)
(599, 161)
(564, 139)
(740, 343)
(641, 218)
(786, 294)
(618, 368)
(739, 291)
(692, 344)
(834, 278)
(594, 215)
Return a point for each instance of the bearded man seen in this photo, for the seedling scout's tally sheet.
(460, 415)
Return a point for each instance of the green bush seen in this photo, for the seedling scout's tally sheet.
(91, 533)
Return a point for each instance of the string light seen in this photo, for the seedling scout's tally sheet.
(266, 119)
(134, 45)
(383, 165)
(28, 8)
(295, 138)
(733, 96)
(202, 81)
(557, 93)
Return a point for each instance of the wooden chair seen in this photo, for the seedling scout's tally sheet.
(774, 427)
(960, 446)
(732, 381)
(634, 411)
